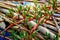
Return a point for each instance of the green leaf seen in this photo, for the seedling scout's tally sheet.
(53, 5)
(29, 15)
(37, 17)
(50, 12)
(11, 9)
(21, 35)
(13, 31)
(33, 35)
(38, 6)
(40, 14)
(46, 17)
(26, 20)
(28, 7)
(20, 7)
(56, 37)
(42, 22)
(24, 13)
(25, 34)
(25, 9)
(48, 34)
(30, 27)
(15, 38)
(10, 14)
(44, 6)
(36, 21)
(48, 2)
(35, 2)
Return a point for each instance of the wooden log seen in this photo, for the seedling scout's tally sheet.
(4, 10)
(49, 26)
(6, 6)
(43, 30)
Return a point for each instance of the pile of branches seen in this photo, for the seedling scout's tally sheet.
(38, 22)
